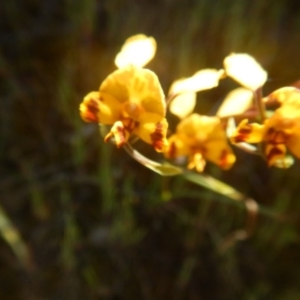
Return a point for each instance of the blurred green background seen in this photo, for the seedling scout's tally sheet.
(80, 219)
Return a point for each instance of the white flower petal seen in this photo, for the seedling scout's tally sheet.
(137, 50)
(202, 80)
(236, 102)
(245, 70)
(183, 104)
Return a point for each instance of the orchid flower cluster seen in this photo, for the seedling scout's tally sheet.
(131, 102)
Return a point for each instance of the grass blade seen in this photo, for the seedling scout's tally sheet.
(12, 237)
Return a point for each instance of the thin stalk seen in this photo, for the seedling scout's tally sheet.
(171, 97)
(208, 182)
(258, 101)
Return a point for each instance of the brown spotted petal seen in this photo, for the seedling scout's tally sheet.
(93, 109)
(120, 134)
(250, 133)
(284, 95)
(219, 152)
(152, 129)
(179, 145)
(284, 129)
(274, 152)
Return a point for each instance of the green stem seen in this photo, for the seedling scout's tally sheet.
(206, 181)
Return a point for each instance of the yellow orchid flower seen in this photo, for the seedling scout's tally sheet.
(201, 138)
(132, 101)
(279, 132)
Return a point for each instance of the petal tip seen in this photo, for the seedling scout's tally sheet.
(89, 108)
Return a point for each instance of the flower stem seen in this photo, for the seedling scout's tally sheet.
(171, 97)
(258, 101)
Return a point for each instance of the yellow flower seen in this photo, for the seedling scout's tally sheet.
(279, 132)
(201, 138)
(132, 101)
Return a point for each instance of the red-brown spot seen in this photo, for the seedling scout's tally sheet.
(223, 159)
(239, 138)
(271, 131)
(157, 137)
(119, 134)
(276, 137)
(129, 124)
(242, 135)
(91, 112)
(245, 131)
(274, 152)
(172, 150)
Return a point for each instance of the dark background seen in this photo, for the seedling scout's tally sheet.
(91, 222)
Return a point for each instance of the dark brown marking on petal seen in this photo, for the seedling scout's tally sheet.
(129, 124)
(119, 134)
(271, 131)
(242, 135)
(245, 131)
(276, 137)
(93, 106)
(275, 151)
(157, 137)
(239, 138)
(92, 111)
(223, 158)
(172, 150)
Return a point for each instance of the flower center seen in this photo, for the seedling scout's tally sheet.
(132, 110)
(276, 137)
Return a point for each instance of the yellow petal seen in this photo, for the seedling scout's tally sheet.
(202, 80)
(150, 93)
(245, 70)
(290, 108)
(219, 152)
(236, 102)
(293, 143)
(283, 95)
(215, 148)
(178, 146)
(136, 85)
(95, 109)
(137, 50)
(197, 127)
(183, 104)
(152, 129)
(250, 133)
